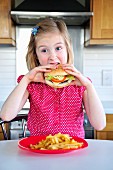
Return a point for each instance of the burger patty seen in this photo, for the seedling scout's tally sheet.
(63, 82)
(60, 82)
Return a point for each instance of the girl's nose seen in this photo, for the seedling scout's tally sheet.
(52, 55)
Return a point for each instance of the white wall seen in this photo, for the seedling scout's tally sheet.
(7, 71)
(22, 39)
(98, 65)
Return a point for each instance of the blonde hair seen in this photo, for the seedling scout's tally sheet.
(48, 25)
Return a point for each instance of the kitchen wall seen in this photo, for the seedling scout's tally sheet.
(7, 71)
(97, 64)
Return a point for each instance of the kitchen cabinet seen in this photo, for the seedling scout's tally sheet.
(1, 133)
(99, 30)
(7, 27)
(107, 132)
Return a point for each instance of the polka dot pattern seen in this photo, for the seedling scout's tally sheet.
(52, 111)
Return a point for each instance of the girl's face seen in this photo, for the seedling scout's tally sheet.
(51, 49)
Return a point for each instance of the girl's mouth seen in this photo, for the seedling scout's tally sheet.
(55, 63)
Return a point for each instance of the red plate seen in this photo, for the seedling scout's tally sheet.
(25, 143)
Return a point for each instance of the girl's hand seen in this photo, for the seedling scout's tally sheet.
(80, 80)
(37, 74)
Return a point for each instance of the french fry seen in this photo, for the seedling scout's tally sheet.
(58, 141)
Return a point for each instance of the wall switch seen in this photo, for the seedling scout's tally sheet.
(107, 77)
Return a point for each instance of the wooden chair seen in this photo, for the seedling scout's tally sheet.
(21, 117)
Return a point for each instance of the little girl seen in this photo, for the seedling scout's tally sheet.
(53, 110)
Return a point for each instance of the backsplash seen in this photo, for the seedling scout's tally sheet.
(7, 71)
(97, 65)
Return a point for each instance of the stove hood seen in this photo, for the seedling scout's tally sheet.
(73, 12)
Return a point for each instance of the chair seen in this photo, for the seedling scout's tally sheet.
(19, 117)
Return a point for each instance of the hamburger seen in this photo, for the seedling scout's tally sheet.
(58, 78)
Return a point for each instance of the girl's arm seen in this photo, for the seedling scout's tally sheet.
(94, 108)
(19, 95)
(92, 103)
(15, 101)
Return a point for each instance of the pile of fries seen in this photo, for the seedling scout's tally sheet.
(58, 141)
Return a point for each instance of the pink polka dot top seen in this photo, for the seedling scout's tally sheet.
(52, 111)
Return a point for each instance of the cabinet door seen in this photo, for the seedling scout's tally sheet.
(99, 30)
(102, 22)
(1, 132)
(1, 136)
(107, 132)
(104, 135)
(4, 19)
(7, 27)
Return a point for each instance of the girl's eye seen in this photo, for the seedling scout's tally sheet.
(44, 50)
(58, 48)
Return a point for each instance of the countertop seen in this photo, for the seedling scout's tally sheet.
(108, 107)
(97, 156)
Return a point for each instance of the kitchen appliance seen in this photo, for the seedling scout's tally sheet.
(73, 12)
(16, 130)
(89, 130)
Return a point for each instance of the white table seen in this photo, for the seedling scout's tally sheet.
(97, 156)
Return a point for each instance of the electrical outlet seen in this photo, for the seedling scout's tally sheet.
(107, 77)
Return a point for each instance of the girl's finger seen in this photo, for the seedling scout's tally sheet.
(70, 67)
(71, 72)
